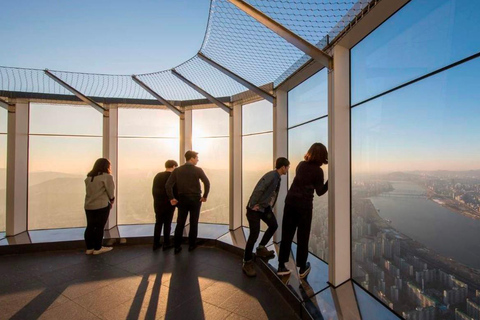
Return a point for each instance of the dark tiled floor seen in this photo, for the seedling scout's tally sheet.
(133, 282)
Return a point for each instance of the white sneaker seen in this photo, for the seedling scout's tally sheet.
(89, 251)
(102, 250)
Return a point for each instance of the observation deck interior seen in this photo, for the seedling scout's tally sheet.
(389, 86)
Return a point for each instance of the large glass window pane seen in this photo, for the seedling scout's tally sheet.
(257, 159)
(64, 142)
(65, 119)
(422, 37)
(257, 148)
(309, 100)
(58, 166)
(139, 160)
(147, 138)
(210, 130)
(299, 141)
(213, 158)
(257, 117)
(3, 167)
(148, 123)
(416, 195)
(210, 123)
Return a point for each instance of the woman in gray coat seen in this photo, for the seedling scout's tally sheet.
(100, 195)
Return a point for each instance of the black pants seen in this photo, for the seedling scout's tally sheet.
(254, 218)
(293, 218)
(187, 204)
(96, 220)
(163, 217)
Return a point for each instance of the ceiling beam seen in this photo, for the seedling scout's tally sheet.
(285, 33)
(157, 96)
(208, 96)
(79, 95)
(4, 104)
(262, 93)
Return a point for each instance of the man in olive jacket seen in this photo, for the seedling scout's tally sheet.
(259, 207)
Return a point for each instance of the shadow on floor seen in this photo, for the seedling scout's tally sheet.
(132, 282)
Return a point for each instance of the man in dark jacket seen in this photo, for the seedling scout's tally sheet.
(187, 180)
(161, 204)
(259, 207)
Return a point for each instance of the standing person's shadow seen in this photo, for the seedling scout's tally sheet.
(184, 297)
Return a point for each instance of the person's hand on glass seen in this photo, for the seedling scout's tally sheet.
(173, 202)
(256, 207)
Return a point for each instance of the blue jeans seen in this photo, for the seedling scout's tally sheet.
(254, 218)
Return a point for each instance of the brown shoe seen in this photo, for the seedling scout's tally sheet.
(263, 252)
(249, 268)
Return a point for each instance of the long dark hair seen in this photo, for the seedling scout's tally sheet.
(317, 154)
(102, 165)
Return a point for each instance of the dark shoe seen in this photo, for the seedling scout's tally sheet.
(305, 271)
(177, 250)
(191, 248)
(167, 246)
(249, 268)
(282, 271)
(263, 252)
(156, 246)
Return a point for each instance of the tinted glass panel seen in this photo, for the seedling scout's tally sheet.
(56, 189)
(213, 159)
(422, 37)
(147, 138)
(299, 141)
(415, 196)
(257, 117)
(309, 100)
(210, 123)
(65, 119)
(370, 308)
(257, 160)
(139, 160)
(148, 123)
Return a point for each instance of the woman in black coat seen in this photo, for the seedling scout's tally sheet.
(297, 214)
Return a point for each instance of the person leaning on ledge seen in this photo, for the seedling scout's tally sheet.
(259, 207)
(187, 180)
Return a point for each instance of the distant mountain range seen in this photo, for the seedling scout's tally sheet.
(448, 174)
(414, 175)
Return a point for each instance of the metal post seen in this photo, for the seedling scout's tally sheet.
(236, 209)
(185, 134)
(339, 202)
(280, 149)
(110, 151)
(17, 168)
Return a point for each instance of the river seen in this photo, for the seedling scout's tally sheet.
(448, 233)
